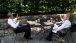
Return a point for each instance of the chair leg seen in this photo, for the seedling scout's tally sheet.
(42, 35)
(67, 38)
(71, 37)
(4, 32)
(61, 41)
(15, 38)
(60, 38)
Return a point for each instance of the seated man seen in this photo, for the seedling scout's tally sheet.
(55, 29)
(14, 23)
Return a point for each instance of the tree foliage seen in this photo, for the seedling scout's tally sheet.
(36, 6)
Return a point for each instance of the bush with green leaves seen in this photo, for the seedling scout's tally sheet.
(37, 6)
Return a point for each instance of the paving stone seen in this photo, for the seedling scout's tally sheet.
(20, 39)
(36, 38)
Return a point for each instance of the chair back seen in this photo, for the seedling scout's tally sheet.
(64, 31)
(8, 26)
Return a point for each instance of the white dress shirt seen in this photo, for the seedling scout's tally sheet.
(13, 23)
(66, 24)
(62, 21)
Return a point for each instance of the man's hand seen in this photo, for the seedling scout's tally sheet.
(19, 20)
(61, 16)
(17, 15)
(53, 21)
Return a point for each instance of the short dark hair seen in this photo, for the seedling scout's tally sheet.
(53, 19)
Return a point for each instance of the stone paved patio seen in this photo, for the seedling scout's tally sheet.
(36, 38)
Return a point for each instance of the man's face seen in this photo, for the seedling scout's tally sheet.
(11, 16)
(65, 17)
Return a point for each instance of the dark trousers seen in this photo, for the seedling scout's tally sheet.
(51, 33)
(73, 28)
(25, 29)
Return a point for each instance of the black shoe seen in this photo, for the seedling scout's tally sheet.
(30, 38)
(48, 39)
(24, 36)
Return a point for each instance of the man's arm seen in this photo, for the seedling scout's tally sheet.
(16, 17)
(64, 25)
(10, 22)
(61, 18)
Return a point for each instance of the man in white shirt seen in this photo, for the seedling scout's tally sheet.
(14, 23)
(55, 29)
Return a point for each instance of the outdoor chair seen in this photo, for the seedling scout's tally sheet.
(68, 33)
(14, 33)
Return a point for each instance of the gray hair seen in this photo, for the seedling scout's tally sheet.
(68, 15)
(9, 14)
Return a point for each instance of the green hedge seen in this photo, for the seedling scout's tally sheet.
(36, 6)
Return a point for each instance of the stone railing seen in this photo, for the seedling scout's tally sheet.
(24, 18)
